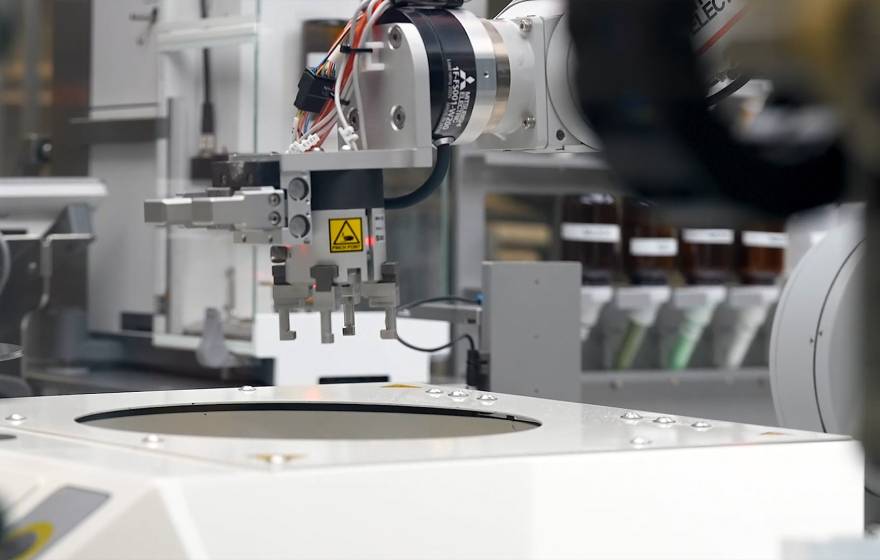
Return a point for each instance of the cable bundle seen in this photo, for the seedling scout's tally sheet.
(312, 128)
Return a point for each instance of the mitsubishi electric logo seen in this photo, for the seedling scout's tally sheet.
(465, 80)
(459, 93)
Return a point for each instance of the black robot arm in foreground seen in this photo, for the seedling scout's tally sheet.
(644, 94)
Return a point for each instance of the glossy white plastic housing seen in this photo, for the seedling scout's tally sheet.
(816, 354)
(590, 482)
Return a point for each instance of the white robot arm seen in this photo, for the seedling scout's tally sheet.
(407, 79)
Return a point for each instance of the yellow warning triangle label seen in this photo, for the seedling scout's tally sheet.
(346, 235)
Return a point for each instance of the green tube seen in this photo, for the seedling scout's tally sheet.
(683, 351)
(632, 343)
(690, 332)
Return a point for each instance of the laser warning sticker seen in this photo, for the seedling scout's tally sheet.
(346, 235)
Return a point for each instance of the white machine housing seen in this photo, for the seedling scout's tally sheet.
(248, 473)
(816, 348)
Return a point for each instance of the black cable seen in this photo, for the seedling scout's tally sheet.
(208, 126)
(727, 91)
(431, 184)
(441, 299)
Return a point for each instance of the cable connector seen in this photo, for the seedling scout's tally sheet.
(304, 145)
(477, 372)
(313, 91)
(349, 136)
(348, 49)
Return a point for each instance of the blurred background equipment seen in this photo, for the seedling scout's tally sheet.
(814, 141)
(675, 313)
(156, 320)
(635, 204)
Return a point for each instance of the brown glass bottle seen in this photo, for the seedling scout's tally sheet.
(761, 253)
(318, 37)
(591, 235)
(708, 255)
(650, 246)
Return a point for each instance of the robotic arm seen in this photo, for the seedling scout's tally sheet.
(406, 79)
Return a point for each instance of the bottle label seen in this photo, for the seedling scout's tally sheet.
(591, 233)
(709, 236)
(765, 239)
(653, 247)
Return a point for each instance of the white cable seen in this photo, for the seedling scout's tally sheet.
(337, 91)
(327, 120)
(378, 7)
(375, 9)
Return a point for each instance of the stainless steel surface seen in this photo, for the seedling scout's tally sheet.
(457, 314)
(502, 76)
(43, 307)
(380, 79)
(487, 81)
(9, 352)
(741, 396)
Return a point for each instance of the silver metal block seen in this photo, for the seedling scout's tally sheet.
(531, 328)
(170, 211)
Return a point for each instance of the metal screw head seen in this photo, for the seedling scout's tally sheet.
(701, 425)
(459, 394)
(640, 442)
(298, 189)
(274, 200)
(275, 218)
(395, 37)
(398, 118)
(279, 254)
(529, 122)
(354, 119)
(434, 392)
(16, 418)
(152, 439)
(300, 226)
(525, 25)
(664, 421)
(487, 399)
(276, 460)
(247, 389)
(631, 416)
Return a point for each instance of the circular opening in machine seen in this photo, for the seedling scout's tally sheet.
(311, 421)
